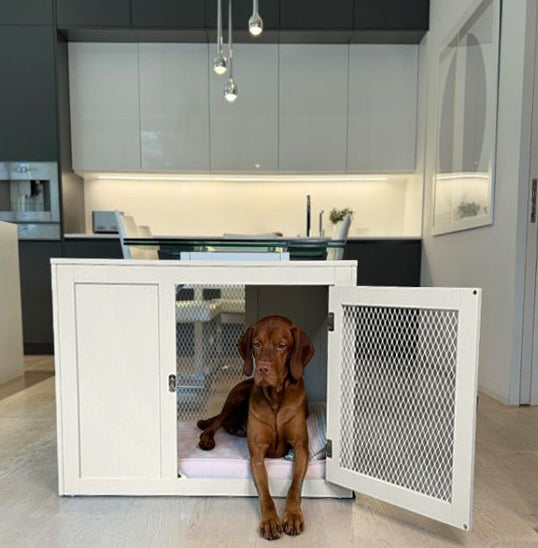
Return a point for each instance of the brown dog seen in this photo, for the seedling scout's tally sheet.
(270, 409)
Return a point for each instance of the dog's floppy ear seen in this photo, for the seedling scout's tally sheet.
(245, 349)
(302, 352)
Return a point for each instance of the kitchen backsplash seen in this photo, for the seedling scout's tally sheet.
(387, 207)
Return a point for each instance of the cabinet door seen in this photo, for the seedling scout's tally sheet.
(313, 107)
(105, 119)
(316, 14)
(392, 14)
(383, 91)
(94, 13)
(174, 107)
(402, 378)
(177, 14)
(110, 381)
(244, 134)
(36, 299)
(28, 124)
(29, 12)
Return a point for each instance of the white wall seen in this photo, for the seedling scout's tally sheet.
(382, 208)
(11, 354)
(491, 257)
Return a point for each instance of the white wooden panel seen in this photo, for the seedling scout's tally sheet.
(117, 334)
(174, 109)
(313, 107)
(11, 352)
(105, 124)
(402, 381)
(244, 134)
(383, 90)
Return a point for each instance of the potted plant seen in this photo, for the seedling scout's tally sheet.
(337, 216)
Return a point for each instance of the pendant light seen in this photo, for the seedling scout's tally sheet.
(255, 23)
(219, 62)
(230, 89)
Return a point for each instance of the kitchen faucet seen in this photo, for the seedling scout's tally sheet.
(321, 232)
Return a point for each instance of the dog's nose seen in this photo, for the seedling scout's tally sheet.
(263, 369)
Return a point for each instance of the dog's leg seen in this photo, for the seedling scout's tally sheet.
(293, 523)
(270, 526)
(236, 403)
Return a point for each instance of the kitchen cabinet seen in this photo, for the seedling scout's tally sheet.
(105, 119)
(36, 296)
(94, 13)
(313, 107)
(386, 262)
(383, 91)
(27, 12)
(28, 111)
(316, 14)
(244, 134)
(176, 14)
(392, 15)
(174, 106)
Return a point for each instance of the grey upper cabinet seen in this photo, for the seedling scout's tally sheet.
(28, 122)
(313, 107)
(174, 106)
(94, 13)
(26, 12)
(392, 14)
(382, 115)
(177, 14)
(316, 14)
(244, 134)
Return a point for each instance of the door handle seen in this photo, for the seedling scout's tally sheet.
(533, 200)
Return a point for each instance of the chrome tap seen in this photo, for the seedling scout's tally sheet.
(307, 215)
(321, 232)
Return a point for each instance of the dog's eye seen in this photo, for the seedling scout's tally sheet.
(257, 344)
(282, 346)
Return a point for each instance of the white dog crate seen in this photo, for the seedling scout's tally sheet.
(146, 348)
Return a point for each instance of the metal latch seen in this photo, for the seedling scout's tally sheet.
(329, 450)
(172, 382)
(330, 321)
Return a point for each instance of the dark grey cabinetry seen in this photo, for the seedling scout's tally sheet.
(386, 262)
(28, 110)
(316, 14)
(26, 12)
(95, 13)
(168, 14)
(36, 294)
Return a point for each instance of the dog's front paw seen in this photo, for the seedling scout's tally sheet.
(206, 442)
(270, 526)
(293, 522)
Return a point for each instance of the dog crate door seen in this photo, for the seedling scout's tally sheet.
(402, 396)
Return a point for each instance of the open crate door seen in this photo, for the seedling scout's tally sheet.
(402, 396)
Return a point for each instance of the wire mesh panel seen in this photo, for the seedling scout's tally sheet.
(398, 386)
(210, 320)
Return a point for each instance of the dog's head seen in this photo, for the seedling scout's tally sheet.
(278, 347)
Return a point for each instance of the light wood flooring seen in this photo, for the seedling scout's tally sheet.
(31, 513)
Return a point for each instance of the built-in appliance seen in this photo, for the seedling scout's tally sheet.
(104, 222)
(30, 197)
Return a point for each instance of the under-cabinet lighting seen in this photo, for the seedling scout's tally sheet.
(239, 178)
(471, 175)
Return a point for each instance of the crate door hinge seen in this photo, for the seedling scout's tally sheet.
(329, 451)
(172, 382)
(330, 321)
(533, 200)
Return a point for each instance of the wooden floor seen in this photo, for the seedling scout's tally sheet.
(31, 513)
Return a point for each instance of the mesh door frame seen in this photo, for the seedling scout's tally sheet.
(457, 512)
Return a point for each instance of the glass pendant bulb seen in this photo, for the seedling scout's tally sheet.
(231, 91)
(255, 23)
(219, 62)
